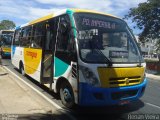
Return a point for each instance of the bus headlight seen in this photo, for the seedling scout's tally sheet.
(90, 77)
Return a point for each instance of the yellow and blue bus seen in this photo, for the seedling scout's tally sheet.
(5, 42)
(87, 57)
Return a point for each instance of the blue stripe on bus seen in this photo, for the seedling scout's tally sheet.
(13, 48)
(96, 96)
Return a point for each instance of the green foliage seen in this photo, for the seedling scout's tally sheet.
(7, 25)
(147, 18)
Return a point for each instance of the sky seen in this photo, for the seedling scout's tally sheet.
(23, 11)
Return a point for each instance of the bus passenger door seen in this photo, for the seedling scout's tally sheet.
(47, 55)
(66, 56)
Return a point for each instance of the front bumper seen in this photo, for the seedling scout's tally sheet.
(7, 54)
(93, 96)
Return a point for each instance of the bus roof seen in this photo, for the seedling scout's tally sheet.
(7, 30)
(91, 11)
(1, 31)
(52, 15)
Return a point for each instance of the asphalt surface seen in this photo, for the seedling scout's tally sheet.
(149, 104)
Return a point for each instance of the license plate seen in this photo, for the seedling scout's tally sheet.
(124, 102)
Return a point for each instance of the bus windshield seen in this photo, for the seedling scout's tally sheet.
(6, 39)
(102, 38)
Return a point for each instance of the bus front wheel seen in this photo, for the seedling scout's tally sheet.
(66, 95)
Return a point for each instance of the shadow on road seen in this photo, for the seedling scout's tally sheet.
(36, 116)
(92, 113)
(106, 112)
(2, 74)
(88, 113)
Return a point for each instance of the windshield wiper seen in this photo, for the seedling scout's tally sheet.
(100, 52)
(106, 58)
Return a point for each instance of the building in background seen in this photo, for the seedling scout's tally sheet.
(148, 49)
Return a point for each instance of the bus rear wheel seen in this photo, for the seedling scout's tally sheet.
(66, 95)
(22, 70)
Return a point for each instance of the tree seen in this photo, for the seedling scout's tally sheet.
(147, 18)
(7, 25)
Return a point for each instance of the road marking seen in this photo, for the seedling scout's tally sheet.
(153, 105)
(41, 94)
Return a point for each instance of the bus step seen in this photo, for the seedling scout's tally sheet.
(46, 80)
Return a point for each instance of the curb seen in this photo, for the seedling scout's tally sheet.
(155, 77)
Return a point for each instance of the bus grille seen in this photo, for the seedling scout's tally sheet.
(120, 77)
(123, 94)
(123, 81)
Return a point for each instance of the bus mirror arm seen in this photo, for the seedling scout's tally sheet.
(63, 26)
(72, 31)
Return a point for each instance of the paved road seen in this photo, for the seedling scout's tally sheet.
(148, 104)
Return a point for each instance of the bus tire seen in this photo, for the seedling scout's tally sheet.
(22, 69)
(66, 95)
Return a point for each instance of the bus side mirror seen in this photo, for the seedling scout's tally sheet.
(64, 27)
(72, 51)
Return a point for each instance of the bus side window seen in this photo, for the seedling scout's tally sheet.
(38, 35)
(50, 36)
(16, 38)
(25, 37)
(63, 33)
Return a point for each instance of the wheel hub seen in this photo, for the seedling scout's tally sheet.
(67, 95)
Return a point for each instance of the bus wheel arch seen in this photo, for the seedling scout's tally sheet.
(66, 92)
(21, 68)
